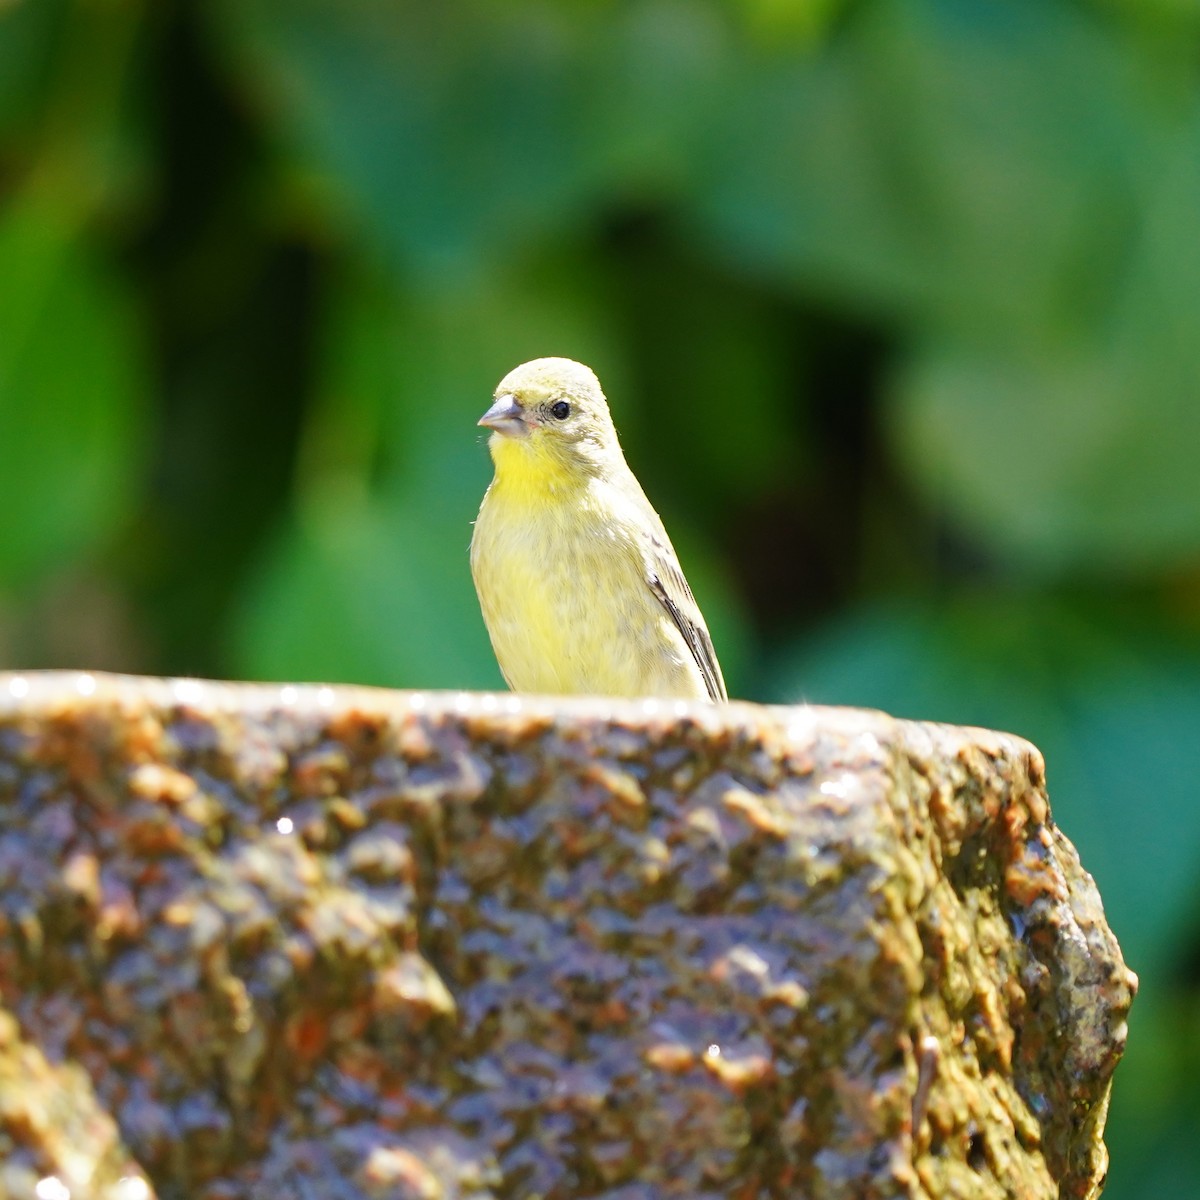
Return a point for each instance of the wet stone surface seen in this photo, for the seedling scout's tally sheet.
(336, 943)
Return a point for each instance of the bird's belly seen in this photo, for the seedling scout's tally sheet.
(573, 614)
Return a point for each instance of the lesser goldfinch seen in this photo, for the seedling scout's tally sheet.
(580, 587)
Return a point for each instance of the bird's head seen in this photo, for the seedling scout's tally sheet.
(551, 414)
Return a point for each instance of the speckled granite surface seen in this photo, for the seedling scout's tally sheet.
(262, 941)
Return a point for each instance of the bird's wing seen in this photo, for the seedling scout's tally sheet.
(666, 581)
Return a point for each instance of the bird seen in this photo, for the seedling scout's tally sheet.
(580, 588)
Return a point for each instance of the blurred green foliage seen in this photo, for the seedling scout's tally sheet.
(895, 302)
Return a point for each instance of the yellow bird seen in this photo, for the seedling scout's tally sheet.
(580, 588)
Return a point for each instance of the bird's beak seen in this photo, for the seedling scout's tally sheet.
(506, 417)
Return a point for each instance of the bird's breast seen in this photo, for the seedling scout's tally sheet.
(563, 593)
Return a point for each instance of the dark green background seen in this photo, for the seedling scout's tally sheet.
(897, 304)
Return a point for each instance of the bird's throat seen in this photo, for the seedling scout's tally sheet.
(525, 468)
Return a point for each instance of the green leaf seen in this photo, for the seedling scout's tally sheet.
(1079, 456)
(29, 32)
(449, 132)
(932, 165)
(1063, 463)
(360, 591)
(71, 386)
(460, 134)
(1047, 278)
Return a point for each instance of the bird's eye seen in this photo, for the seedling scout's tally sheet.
(560, 410)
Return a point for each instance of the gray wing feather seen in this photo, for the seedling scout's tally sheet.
(666, 581)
